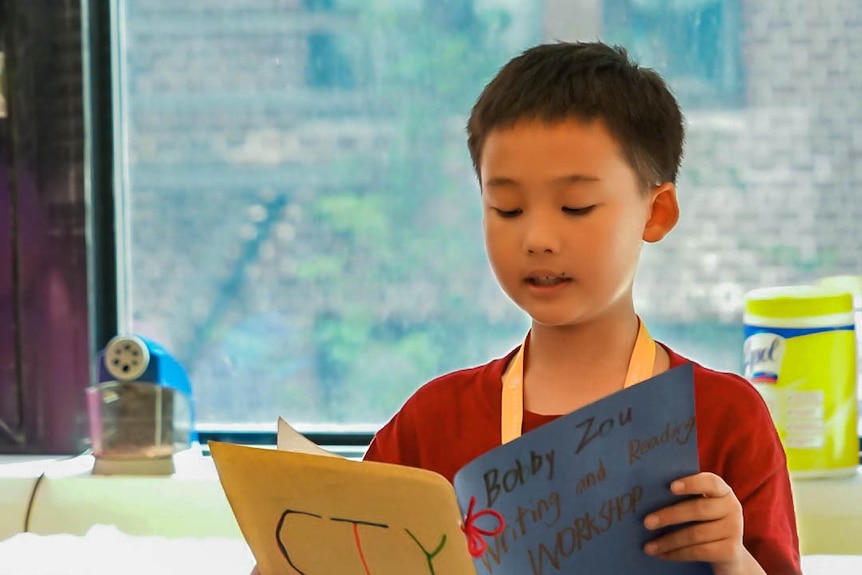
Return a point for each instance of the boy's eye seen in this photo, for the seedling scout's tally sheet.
(578, 211)
(508, 213)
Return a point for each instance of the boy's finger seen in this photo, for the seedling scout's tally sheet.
(692, 536)
(706, 552)
(708, 484)
(695, 509)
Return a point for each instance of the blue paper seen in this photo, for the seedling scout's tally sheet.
(574, 492)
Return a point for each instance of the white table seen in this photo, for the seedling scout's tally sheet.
(105, 550)
(832, 565)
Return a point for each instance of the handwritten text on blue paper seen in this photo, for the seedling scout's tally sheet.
(540, 465)
(592, 429)
(614, 462)
(680, 433)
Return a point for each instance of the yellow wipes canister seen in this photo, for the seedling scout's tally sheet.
(800, 355)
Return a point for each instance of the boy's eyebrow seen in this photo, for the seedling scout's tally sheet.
(500, 182)
(577, 179)
(503, 182)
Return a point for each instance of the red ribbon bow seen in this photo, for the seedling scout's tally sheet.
(475, 534)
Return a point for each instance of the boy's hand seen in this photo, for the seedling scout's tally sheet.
(716, 535)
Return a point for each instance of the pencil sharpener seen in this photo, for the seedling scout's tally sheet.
(141, 410)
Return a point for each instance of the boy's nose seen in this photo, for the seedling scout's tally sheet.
(540, 237)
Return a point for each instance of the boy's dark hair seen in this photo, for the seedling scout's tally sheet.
(586, 81)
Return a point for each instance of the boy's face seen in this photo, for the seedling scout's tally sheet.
(565, 219)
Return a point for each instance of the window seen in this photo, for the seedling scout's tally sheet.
(303, 217)
(695, 43)
(303, 222)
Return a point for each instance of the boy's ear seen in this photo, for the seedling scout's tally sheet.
(664, 212)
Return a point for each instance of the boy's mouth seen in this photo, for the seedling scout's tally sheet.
(544, 279)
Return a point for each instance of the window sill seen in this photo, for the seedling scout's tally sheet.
(829, 514)
(71, 500)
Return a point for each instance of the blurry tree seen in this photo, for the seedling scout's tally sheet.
(398, 318)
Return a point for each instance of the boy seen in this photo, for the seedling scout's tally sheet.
(577, 151)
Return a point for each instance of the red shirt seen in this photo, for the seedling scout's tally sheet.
(455, 418)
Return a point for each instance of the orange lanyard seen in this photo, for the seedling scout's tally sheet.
(641, 367)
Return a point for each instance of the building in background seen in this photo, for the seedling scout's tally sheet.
(305, 222)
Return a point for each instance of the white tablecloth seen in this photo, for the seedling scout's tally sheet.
(832, 565)
(107, 551)
(104, 550)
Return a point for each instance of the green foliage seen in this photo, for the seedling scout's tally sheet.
(415, 228)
